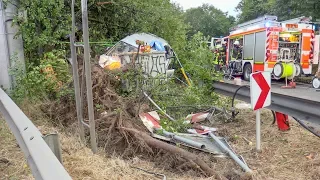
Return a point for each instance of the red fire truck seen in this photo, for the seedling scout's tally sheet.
(264, 44)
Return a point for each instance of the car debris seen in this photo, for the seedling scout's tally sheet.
(149, 172)
(203, 140)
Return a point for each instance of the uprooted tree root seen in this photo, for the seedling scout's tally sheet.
(175, 150)
(118, 125)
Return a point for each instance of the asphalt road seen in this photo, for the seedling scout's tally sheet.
(303, 91)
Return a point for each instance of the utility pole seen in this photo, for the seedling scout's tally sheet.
(87, 70)
(76, 75)
(93, 140)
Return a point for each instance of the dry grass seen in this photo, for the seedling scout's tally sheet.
(81, 163)
(284, 154)
(12, 163)
(78, 160)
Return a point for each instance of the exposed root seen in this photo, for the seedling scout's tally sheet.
(109, 132)
(173, 149)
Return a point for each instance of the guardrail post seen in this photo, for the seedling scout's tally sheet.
(41, 159)
(54, 144)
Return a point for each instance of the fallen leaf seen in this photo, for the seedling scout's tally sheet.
(311, 156)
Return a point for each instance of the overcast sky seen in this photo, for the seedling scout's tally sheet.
(224, 5)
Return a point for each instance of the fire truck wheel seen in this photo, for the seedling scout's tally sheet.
(316, 83)
(277, 70)
(298, 69)
(247, 70)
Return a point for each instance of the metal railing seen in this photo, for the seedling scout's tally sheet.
(304, 109)
(43, 163)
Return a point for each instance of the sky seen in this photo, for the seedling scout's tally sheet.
(224, 5)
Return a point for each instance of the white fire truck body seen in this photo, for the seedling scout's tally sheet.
(259, 44)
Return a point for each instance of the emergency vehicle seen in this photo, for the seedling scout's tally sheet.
(298, 35)
(264, 44)
(217, 42)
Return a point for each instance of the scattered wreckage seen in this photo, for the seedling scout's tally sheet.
(154, 56)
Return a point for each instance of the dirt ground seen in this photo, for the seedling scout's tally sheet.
(78, 160)
(12, 163)
(285, 155)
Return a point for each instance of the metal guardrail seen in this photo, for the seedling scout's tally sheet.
(296, 107)
(43, 163)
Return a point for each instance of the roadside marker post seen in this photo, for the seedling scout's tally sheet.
(260, 95)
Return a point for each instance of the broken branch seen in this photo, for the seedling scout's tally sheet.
(175, 150)
(103, 3)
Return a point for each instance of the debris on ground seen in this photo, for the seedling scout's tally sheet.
(129, 126)
(283, 154)
(120, 130)
(78, 160)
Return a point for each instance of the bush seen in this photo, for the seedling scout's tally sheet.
(198, 60)
(45, 80)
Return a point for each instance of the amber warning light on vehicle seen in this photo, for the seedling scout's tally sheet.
(292, 27)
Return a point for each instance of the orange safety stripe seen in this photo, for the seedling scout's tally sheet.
(276, 29)
(306, 46)
(271, 64)
(248, 32)
(307, 30)
(258, 67)
(305, 65)
(306, 41)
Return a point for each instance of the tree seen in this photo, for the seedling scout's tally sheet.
(208, 20)
(283, 9)
(252, 9)
(295, 8)
(47, 22)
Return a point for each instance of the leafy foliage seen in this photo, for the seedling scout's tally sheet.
(46, 79)
(112, 22)
(294, 8)
(208, 20)
(47, 22)
(199, 60)
(178, 126)
(198, 63)
(251, 9)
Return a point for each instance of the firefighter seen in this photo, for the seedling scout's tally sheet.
(217, 57)
(223, 53)
(237, 50)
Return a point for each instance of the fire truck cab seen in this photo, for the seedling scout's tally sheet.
(264, 44)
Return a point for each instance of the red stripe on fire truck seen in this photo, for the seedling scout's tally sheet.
(267, 45)
(312, 45)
